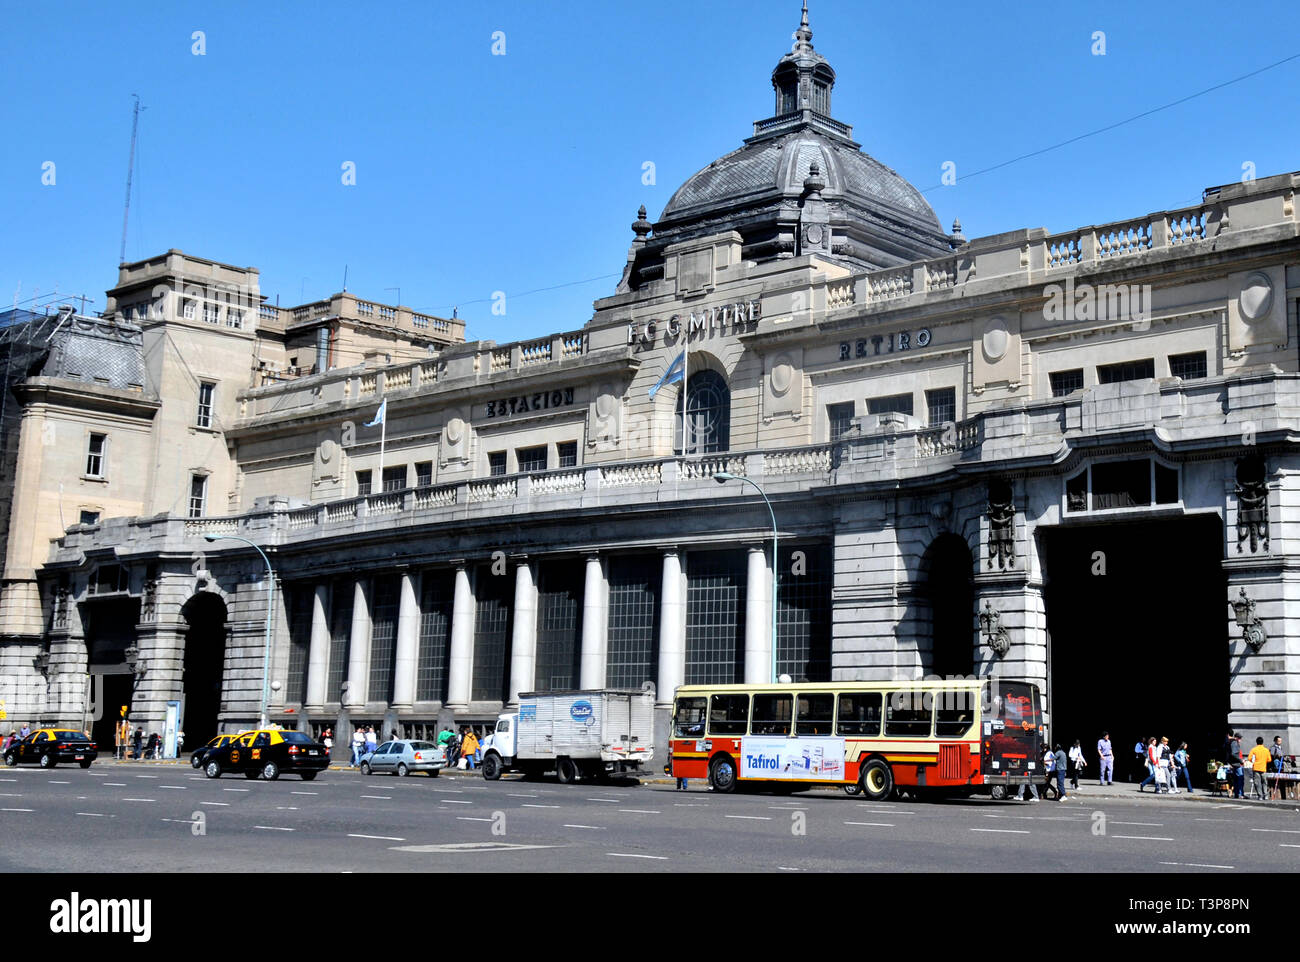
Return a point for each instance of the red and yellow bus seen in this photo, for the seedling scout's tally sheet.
(958, 737)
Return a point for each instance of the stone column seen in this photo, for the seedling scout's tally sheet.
(318, 653)
(461, 662)
(595, 625)
(523, 639)
(359, 657)
(758, 620)
(672, 628)
(408, 633)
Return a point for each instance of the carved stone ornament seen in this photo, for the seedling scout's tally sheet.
(1252, 506)
(995, 636)
(1002, 525)
(1252, 629)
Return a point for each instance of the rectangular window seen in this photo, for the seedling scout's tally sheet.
(206, 393)
(189, 311)
(859, 714)
(803, 628)
(1126, 371)
(383, 637)
(198, 494)
(908, 713)
(341, 597)
(437, 589)
(815, 714)
(1188, 366)
(559, 626)
(688, 718)
(1121, 484)
(716, 588)
(894, 404)
(95, 455)
(211, 313)
(772, 714)
(531, 459)
(395, 477)
(89, 517)
(840, 418)
(567, 452)
(234, 318)
(423, 474)
(492, 627)
(496, 463)
(728, 714)
(363, 483)
(1066, 382)
(954, 713)
(301, 600)
(941, 405)
(633, 621)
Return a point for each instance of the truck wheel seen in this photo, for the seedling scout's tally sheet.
(491, 767)
(722, 774)
(877, 780)
(567, 770)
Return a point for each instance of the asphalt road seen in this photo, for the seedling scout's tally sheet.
(169, 818)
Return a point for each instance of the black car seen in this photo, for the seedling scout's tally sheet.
(201, 753)
(49, 746)
(269, 752)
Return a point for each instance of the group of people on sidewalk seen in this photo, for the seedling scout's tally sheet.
(1163, 765)
(1261, 761)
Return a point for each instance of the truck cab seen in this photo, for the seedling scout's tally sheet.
(500, 745)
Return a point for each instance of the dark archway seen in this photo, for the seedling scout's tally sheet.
(1137, 633)
(948, 588)
(205, 656)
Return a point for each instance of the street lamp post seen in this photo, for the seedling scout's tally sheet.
(270, 599)
(722, 477)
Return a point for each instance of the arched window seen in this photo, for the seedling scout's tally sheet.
(708, 415)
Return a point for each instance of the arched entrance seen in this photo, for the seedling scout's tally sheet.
(948, 590)
(205, 655)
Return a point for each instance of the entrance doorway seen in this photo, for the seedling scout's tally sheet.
(205, 656)
(1137, 644)
(951, 597)
(111, 691)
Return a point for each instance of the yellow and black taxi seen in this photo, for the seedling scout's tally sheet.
(201, 753)
(48, 747)
(268, 752)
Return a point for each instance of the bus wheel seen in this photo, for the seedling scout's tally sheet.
(877, 780)
(722, 774)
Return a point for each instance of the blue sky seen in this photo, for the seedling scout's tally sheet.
(477, 173)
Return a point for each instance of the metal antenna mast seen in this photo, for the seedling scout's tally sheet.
(130, 169)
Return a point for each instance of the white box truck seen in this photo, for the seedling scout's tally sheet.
(576, 734)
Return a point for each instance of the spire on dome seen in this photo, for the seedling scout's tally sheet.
(804, 33)
(802, 81)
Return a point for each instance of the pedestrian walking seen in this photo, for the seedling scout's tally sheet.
(1167, 767)
(1049, 770)
(327, 739)
(1232, 748)
(1027, 792)
(1077, 763)
(180, 742)
(1105, 759)
(24, 731)
(8, 740)
(372, 741)
(1260, 759)
(1140, 757)
(1060, 763)
(1152, 768)
(139, 742)
(358, 745)
(469, 748)
(1181, 761)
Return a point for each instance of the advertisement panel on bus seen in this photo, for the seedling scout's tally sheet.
(803, 759)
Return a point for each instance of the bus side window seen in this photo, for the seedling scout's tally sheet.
(728, 714)
(815, 712)
(772, 714)
(859, 714)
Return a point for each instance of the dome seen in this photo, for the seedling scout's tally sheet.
(771, 169)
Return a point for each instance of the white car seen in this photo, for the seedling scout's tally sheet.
(404, 757)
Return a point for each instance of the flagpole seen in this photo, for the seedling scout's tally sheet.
(383, 431)
(686, 370)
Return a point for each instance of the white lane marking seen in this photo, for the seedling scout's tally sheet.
(752, 818)
(510, 795)
(1196, 865)
(236, 789)
(222, 804)
(273, 828)
(449, 791)
(594, 828)
(147, 776)
(286, 808)
(10, 795)
(873, 824)
(381, 838)
(99, 774)
(1148, 824)
(139, 799)
(690, 805)
(471, 818)
(183, 821)
(786, 868)
(459, 801)
(179, 788)
(304, 793)
(1285, 845)
(1144, 838)
(17, 809)
(605, 800)
(14, 781)
(535, 805)
(1003, 831)
(58, 783)
(115, 784)
(657, 858)
(1278, 831)
(93, 814)
(638, 811)
(377, 796)
(1212, 820)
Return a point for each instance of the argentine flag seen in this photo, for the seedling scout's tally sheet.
(675, 373)
(379, 415)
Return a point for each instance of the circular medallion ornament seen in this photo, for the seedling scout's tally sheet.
(814, 234)
(326, 451)
(996, 339)
(1256, 296)
(604, 404)
(782, 375)
(455, 431)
